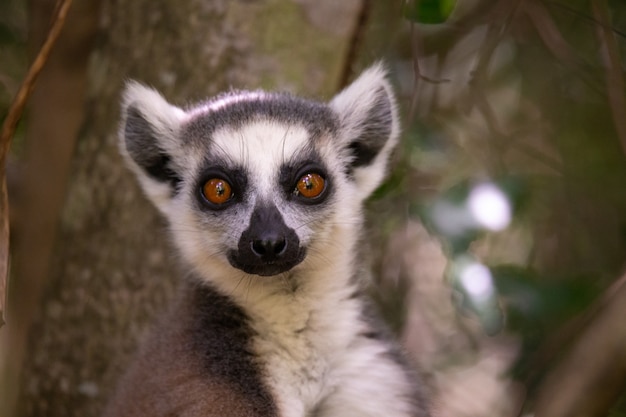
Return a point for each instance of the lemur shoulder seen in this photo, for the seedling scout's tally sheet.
(263, 193)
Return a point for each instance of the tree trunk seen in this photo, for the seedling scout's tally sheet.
(110, 268)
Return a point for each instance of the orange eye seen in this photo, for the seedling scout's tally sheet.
(310, 185)
(217, 191)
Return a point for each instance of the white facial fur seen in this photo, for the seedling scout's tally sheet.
(363, 117)
(260, 148)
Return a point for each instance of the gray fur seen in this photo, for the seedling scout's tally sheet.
(245, 106)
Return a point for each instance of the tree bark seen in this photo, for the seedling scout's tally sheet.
(110, 270)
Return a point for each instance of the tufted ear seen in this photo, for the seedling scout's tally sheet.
(369, 126)
(149, 141)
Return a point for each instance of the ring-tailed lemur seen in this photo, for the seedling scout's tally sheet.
(263, 193)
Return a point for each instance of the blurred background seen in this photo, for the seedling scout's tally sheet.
(498, 242)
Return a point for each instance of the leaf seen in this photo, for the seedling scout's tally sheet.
(429, 11)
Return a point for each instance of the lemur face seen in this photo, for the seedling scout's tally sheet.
(264, 187)
(260, 183)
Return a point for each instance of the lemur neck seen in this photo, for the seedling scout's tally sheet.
(321, 290)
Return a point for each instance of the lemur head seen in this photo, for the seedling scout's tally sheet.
(259, 182)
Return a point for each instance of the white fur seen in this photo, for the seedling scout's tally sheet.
(225, 101)
(323, 365)
(352, 105)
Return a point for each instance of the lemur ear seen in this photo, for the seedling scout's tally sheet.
(149, 140)
(369, 126)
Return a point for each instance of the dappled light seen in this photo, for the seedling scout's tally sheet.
(477, 281)
(489, 206)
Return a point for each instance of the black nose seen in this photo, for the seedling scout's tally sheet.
(269, 248)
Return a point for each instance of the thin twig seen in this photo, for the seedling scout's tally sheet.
(418, 51)
(612, 63)
(8, 129)
(585, 16)
(356, 40)
(17, 107)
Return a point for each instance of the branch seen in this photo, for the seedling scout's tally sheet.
(592, 374)
(549, 32)
(496, 32)
(6, 134)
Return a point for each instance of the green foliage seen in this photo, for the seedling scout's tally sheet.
(534, 109)
(535, 305)
(429, 11)
(449, 215)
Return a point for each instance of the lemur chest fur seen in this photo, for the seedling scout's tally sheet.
(298, 358)
(263, 193)
(303, 343)
(317, 355)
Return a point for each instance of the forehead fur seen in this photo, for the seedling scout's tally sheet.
(262, 142)
(235, 109)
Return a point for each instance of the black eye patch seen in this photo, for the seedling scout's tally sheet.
(291, 177)
(235, 178)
